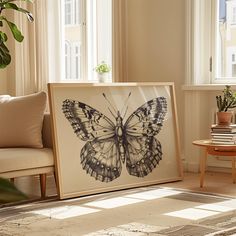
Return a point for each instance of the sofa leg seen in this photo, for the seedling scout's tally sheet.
(43, 185)
(12, 180)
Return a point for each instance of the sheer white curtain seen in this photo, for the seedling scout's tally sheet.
(24, 73)
(38, 58)
(119, 41)
(54, 40)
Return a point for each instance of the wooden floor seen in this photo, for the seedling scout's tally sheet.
(215, 183)
(129, 211)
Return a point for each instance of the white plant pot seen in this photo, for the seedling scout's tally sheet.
(102, 77)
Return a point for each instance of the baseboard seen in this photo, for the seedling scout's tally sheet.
(219, 169)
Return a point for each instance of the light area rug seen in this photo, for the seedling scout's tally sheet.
(136, 212)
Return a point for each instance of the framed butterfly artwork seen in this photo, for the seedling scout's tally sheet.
(113, 136)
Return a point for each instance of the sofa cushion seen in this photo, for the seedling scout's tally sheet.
(13, 159)
(21, 120)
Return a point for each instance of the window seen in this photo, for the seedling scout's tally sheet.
(226, 41)
(211, 41)
(233, 65)
(233, 9)
(68, 12)
(67, 60)
(87, 37)
(72, 12)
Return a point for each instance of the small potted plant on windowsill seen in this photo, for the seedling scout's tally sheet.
(102, 70)
(224, 103)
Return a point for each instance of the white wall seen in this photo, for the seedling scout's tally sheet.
(200, 106)
(156, 45)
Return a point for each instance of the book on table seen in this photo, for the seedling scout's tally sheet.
(215, 128)
(223, 134)
(223, 142)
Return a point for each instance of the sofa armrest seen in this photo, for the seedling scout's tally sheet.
(46, 131)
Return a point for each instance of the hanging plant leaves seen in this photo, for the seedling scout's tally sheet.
(10, 6)
(15, 31)
(5, 57)
(15, 7)
(3, 37)
(28, 14)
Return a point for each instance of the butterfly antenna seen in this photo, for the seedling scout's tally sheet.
(125, 105)
(125, 111)
(111, 113)
(115, 109)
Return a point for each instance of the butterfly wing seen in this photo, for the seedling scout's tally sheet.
(99, 156)
(143, 150)
(87, 122)
(99, 159)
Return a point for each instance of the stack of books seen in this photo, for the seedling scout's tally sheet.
(223, 134)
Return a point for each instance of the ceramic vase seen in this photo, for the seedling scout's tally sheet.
(102, 77)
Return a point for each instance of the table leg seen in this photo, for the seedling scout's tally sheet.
(233, 170)
(203, 167)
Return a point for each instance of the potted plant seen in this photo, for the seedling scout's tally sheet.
(102, 70)
(5, 57)
(224, 103)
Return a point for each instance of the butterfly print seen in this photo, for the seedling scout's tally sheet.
(110, 144)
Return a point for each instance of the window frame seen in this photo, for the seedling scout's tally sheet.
(69, 3)
(92, 50)
(198, 36)
(201, 38)
(67, 54)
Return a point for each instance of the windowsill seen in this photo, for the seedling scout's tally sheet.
(95, 81)
(206, 87)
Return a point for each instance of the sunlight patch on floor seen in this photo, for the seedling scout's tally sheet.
(113, 202)
(65, 212)
(192, 213)
(214, 207)
(229, 203)
(154, 194)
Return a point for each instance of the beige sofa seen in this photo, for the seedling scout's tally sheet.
(17, 162)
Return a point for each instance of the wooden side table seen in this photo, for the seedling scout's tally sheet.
(217, 150)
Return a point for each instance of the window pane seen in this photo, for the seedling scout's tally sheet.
(226, 39)
(73, 38)
(68, 13)
(99, 35)
(87, 37)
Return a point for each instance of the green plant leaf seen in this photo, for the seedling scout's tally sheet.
(3, 2)
(10, 6)
(15, 7)
(5, 57)
(3, 37)
(102, 68)
(15, 31)
(9, 193)
(28, 14)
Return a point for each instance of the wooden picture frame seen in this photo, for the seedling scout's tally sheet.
(95, 153)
